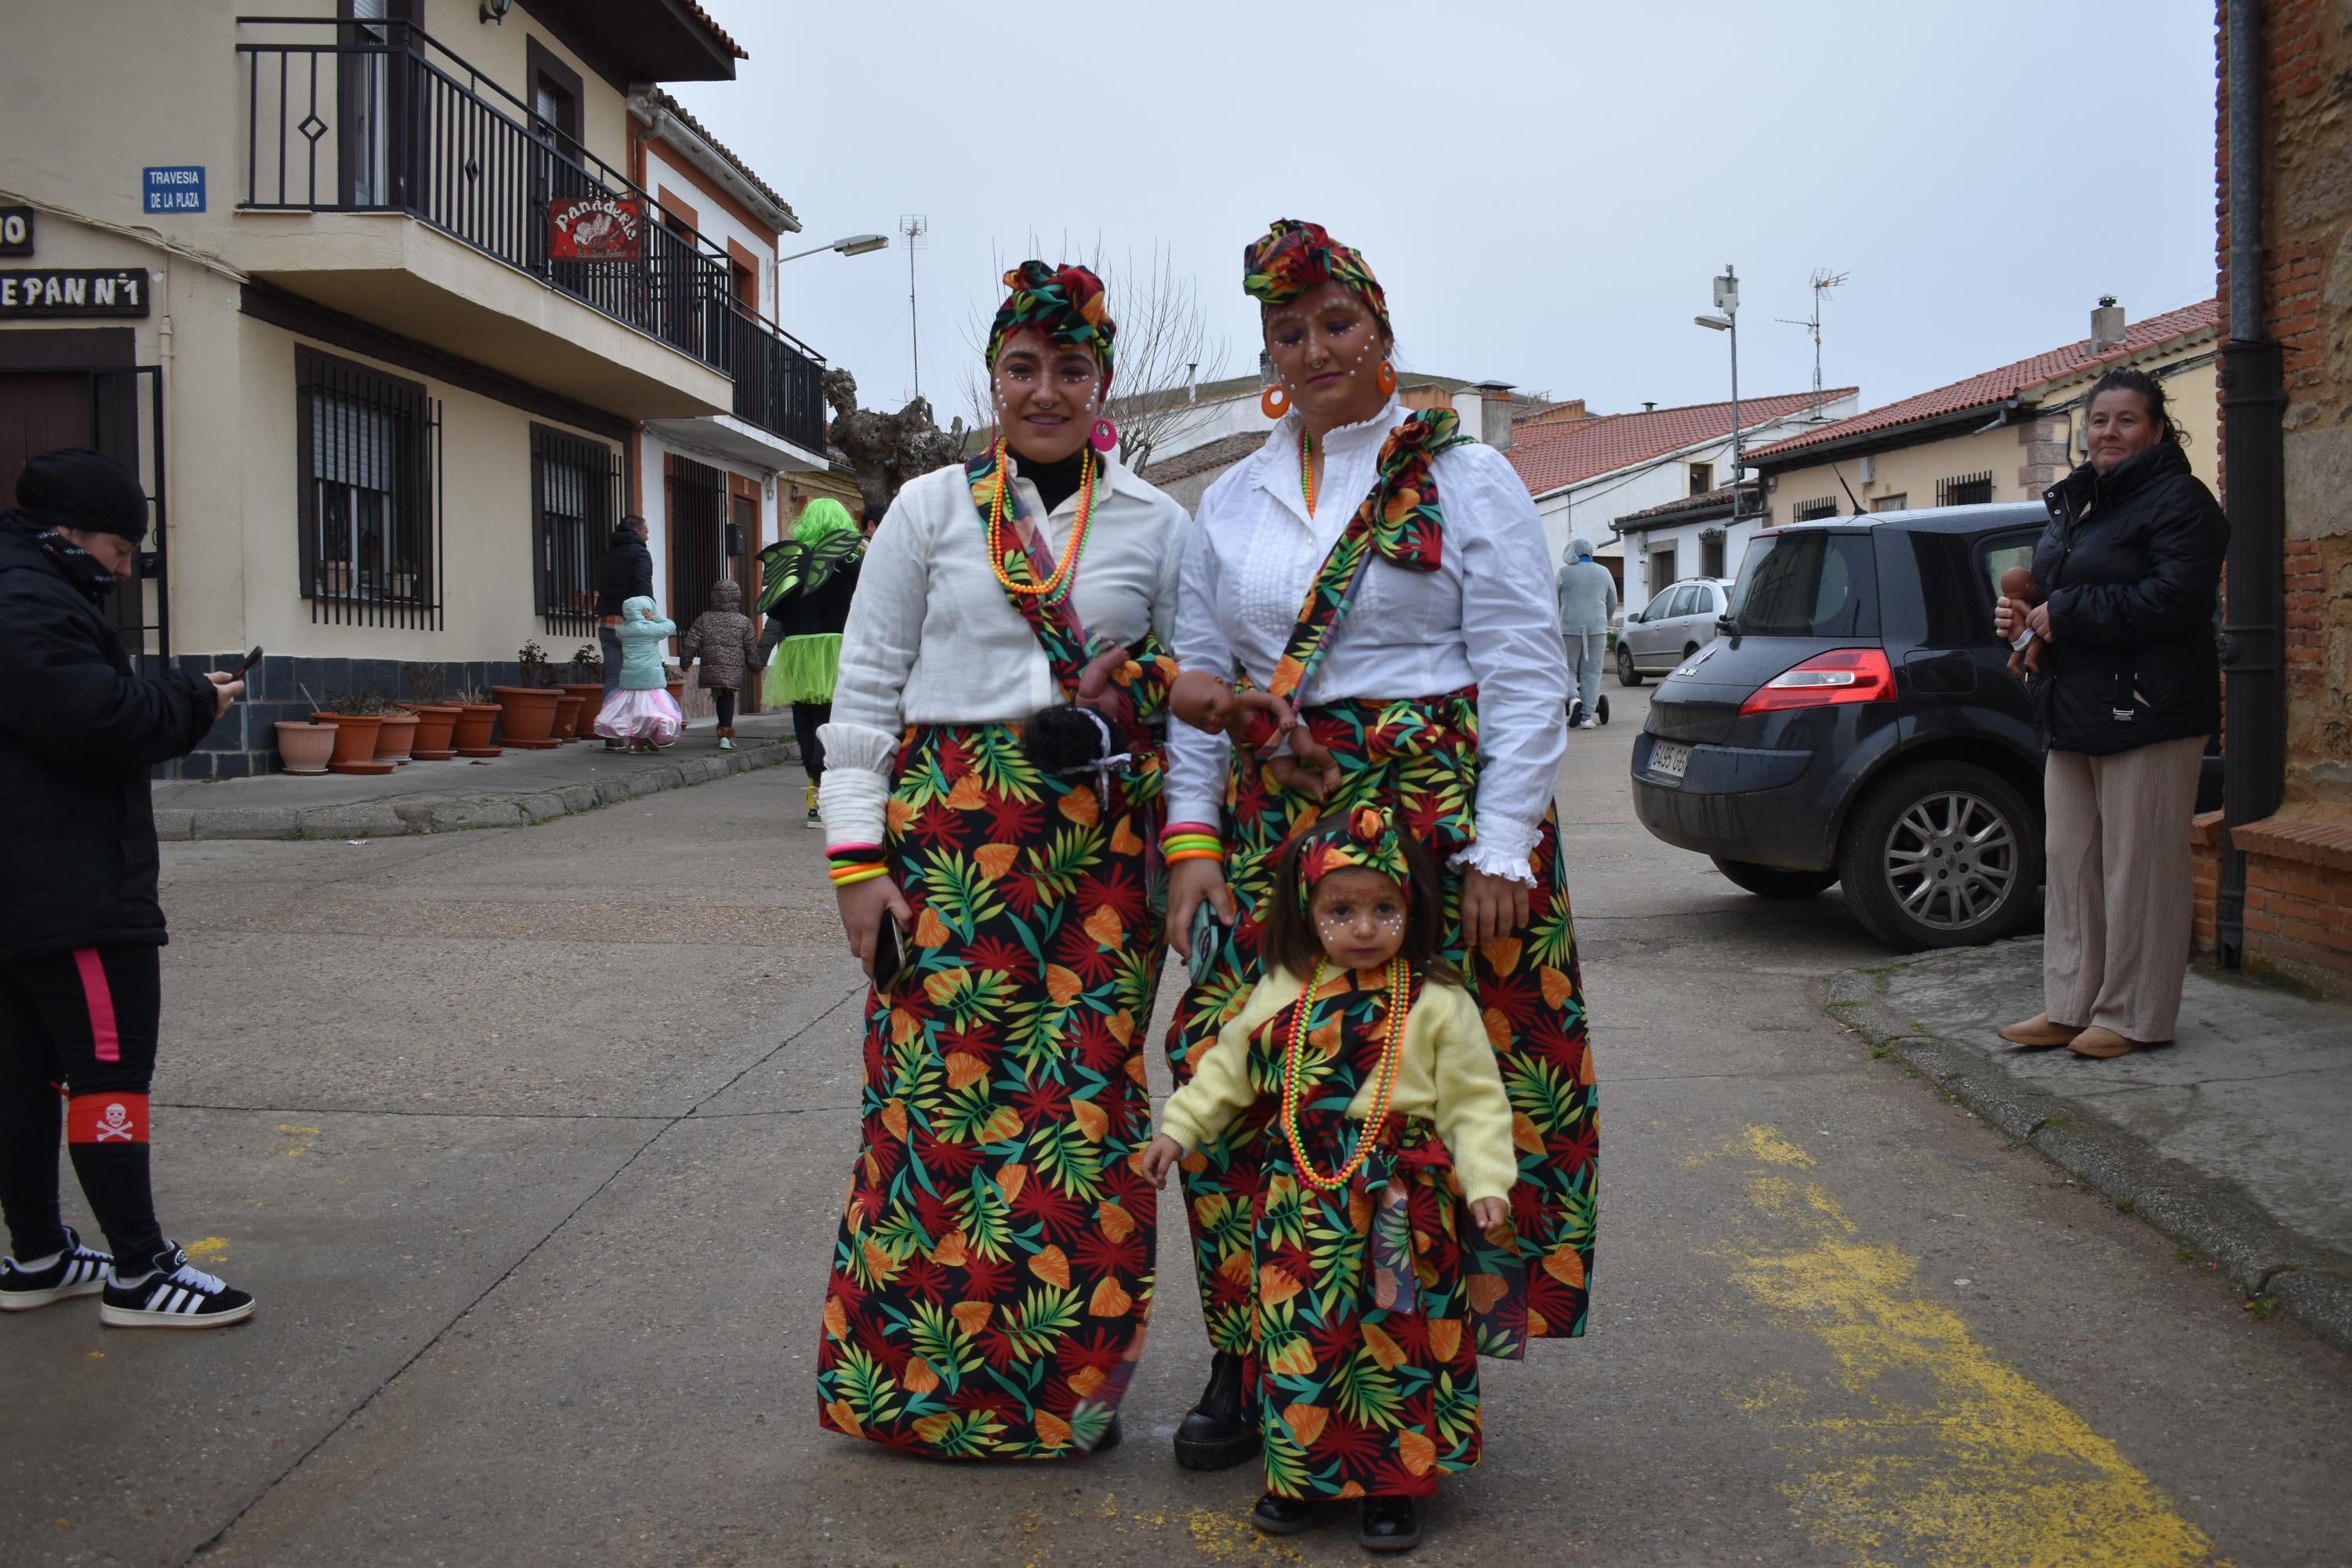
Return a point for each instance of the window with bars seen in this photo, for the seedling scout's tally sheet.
(1710, 553)
(1813, 511)
(698, 536)
(1965, 489)
(575, 499)
(369, 458)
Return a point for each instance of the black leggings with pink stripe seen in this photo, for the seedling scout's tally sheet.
(76, 1050)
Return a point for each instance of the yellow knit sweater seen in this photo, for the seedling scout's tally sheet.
(1448, 1077)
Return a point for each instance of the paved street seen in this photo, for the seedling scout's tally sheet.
(531, 1142)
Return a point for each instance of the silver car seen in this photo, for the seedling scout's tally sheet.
(1677, 622)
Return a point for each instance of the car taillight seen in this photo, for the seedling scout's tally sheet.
(1841, 675)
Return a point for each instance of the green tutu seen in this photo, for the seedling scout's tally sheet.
(802, 670)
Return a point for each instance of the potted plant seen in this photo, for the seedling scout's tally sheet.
(475, 714)
(588, 685)
(357, 717)
(567, 705)
(527, 713)
(675, 678)
(397, 735)
(436, 718)
(304, 748)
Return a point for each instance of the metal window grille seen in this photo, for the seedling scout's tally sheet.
(698, 536)
(369, 458)
(1965, 489)
(1815, 509)
(1710, 554)
(575, 497)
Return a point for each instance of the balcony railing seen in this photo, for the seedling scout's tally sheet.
(378, 117)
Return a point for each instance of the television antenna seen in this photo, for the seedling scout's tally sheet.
(914, 226)
(1823, 281)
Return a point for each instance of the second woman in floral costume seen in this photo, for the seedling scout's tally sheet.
(994, 1269)
(1388, 580)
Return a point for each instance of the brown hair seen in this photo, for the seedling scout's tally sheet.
(1287, 938)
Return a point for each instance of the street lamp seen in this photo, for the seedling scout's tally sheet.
(1727, 301)
(855, 244)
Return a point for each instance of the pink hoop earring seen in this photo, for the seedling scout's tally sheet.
(1105, 435)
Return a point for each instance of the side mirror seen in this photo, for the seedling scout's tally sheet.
(1726, 626)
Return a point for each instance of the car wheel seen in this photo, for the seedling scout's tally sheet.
(1941, 855)
(1772, 881)
(1626, 674)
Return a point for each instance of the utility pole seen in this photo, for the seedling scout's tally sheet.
(914, 226)
(1823, 281)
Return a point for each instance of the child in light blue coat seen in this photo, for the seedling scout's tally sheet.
(641, 711)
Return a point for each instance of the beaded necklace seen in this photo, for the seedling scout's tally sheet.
(1385, 1077)
(1055, 586)
(1306, 469)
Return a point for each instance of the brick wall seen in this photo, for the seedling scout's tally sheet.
(2299, 863)
(2204, 876)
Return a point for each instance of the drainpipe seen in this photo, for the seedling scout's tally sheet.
(2253, 404)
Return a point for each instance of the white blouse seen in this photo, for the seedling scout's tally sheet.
(1485, 616)
(932, 638)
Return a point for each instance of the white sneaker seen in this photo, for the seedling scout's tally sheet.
(1588, 723)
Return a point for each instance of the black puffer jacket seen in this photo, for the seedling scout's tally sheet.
(2131, 567)
(77, 734)
(626, 573)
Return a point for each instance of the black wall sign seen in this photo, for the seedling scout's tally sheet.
(15, 231)
(40, 291)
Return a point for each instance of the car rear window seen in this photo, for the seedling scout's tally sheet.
(1807, 583)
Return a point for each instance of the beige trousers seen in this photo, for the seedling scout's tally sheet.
(2117, 916)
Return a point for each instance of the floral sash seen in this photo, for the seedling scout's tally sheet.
(1400, 522)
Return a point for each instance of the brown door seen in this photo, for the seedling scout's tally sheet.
(39, 412)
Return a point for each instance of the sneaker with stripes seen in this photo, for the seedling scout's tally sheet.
(175, 1295)
(78, 1271)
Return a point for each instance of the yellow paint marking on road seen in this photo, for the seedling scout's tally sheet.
(210, 1249)
(1923, 1446)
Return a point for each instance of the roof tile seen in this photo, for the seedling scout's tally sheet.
(1550, 455)
(1995, 387)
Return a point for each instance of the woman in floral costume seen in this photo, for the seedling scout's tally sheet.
(1388, 579)
(994, 1267)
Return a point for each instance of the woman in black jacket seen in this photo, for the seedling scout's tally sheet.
(81, 927)
(2125, 578)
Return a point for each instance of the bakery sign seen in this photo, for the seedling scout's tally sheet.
(41, 291)
(595, 228)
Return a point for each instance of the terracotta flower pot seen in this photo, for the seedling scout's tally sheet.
(677, 684)
(304, 748)
(526, 715)
(567, 716)
(592, 702)
(473, 730)
(437, 723)
(355, 736)
(392, 740)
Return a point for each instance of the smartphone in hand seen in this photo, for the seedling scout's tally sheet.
(251, 659)
(890, 957)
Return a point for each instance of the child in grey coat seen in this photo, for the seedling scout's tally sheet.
(723, 637)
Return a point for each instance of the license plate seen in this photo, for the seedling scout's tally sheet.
(1669, 759)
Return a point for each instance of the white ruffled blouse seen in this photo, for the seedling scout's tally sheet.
(1485, 616)
(932, 638)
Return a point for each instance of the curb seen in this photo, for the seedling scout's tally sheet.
(406, 814)
(2277, 1268)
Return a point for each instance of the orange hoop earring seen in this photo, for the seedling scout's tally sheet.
(1385, 378)
(1274, 401)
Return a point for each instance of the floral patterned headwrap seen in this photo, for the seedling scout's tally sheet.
(1295, 257)
(1064, 303)
(1365, 839)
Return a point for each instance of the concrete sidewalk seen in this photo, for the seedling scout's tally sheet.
(2231, 1141)
(513, 791)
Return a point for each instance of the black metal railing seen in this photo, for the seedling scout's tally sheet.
(698, 536)
(1965, 489)
(576, 488)
(384, 118)
(779, 381)
(368, 452)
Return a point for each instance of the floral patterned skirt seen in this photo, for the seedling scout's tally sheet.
(1367, 1369)
(993, 1272)
(1418, 757)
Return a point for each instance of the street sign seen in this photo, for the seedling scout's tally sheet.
(595, 228)
(37, 291)
(176, 188)
(15, 231)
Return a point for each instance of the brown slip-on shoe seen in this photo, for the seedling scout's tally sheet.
(2102, 1044)
(2039, 1033)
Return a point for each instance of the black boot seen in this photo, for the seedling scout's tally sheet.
(1391, 1524)
(1281, 1515)
(1218, 1434)
(1111, 1438)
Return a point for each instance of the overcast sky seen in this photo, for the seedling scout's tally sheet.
(1544, 186)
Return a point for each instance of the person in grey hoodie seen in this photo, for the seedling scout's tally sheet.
(1588, 598)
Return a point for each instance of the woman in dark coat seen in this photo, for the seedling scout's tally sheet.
(2125, 581)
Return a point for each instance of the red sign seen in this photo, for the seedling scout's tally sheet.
(595, 228)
